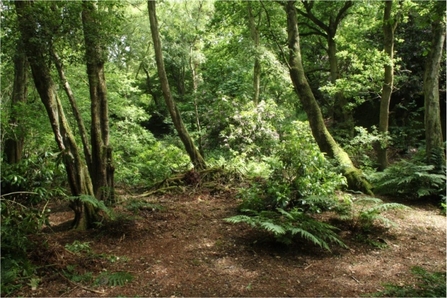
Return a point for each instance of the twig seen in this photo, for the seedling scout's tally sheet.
(355, 279)
(307, 267)
(81, 286)
(18, 192)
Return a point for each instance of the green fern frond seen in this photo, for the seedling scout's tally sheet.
(94, 202)
(271, 227)
(239, 219)
(387, 206)
(114, 279)
(284, 225)
(310, 237)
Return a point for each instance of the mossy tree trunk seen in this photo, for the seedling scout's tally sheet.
(101, 168)
(324, 139)
(389, 26)
(433, 130)
(13, 146)
(254, 32)
(77, 174)
(342, 115)
(74, 107)
(194, 155)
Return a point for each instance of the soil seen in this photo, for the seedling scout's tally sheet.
(179, 245)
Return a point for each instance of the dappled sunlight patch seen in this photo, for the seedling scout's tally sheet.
(232, 266)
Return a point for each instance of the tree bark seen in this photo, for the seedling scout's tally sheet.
(254, 32)
(389, 26)
(13, 147)
(433, 130)
(325, 141)
(195, 156)
(102, 169)
(342, 116)
(74, 107)
(77, 174)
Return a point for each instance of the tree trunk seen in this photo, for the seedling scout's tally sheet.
(149, 86)
(195, 85)
(257, 63)
(195, 156)
(78, 178)
(389, 26)
(433, 130)
(13, 148)
(102, 169)
(325, 141)
(342, 116)
(74, 107)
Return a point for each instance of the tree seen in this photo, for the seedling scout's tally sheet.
(74, 106)
(13, 147)
(334, 15)
(254, 32)
(322, 136)
(195, 156)
(32, 29)
(389, 26)
(101, 167)
(433, 132)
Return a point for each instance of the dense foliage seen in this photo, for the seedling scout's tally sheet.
(213, 51)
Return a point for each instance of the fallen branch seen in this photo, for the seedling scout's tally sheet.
(81, 286)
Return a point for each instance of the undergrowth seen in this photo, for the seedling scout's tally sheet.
(415, 178)
(429, 284)
(18, 223)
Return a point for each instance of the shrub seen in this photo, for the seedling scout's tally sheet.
(140, 158)
(300, 175)
(18, 222)
(360, 147)
(42, 175)
(301, 182)
(253, 130)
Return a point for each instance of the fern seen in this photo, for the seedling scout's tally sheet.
(114, 279)
(367, 214)
(94, 202)
(409, 179)
(284, 225)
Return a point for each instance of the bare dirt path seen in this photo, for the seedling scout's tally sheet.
(188, 250)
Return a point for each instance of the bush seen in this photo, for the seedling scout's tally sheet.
(140, 158)
(360, 147)
(301, 182)
(18, 222)
(41, 175)
(300, 175)
(254, 129)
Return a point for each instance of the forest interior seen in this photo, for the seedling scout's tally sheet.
(223, 148)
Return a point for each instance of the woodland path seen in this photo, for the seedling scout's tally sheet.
(186, 249)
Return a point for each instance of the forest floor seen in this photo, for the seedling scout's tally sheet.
(179, 245)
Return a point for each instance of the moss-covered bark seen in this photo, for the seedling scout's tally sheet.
(433, 131)
(324, 139)
(77, 174)
(101, 167)
(195, 156)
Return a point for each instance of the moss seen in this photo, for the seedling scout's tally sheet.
(357, 181)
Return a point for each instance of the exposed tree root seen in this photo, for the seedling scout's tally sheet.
(212, 179)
